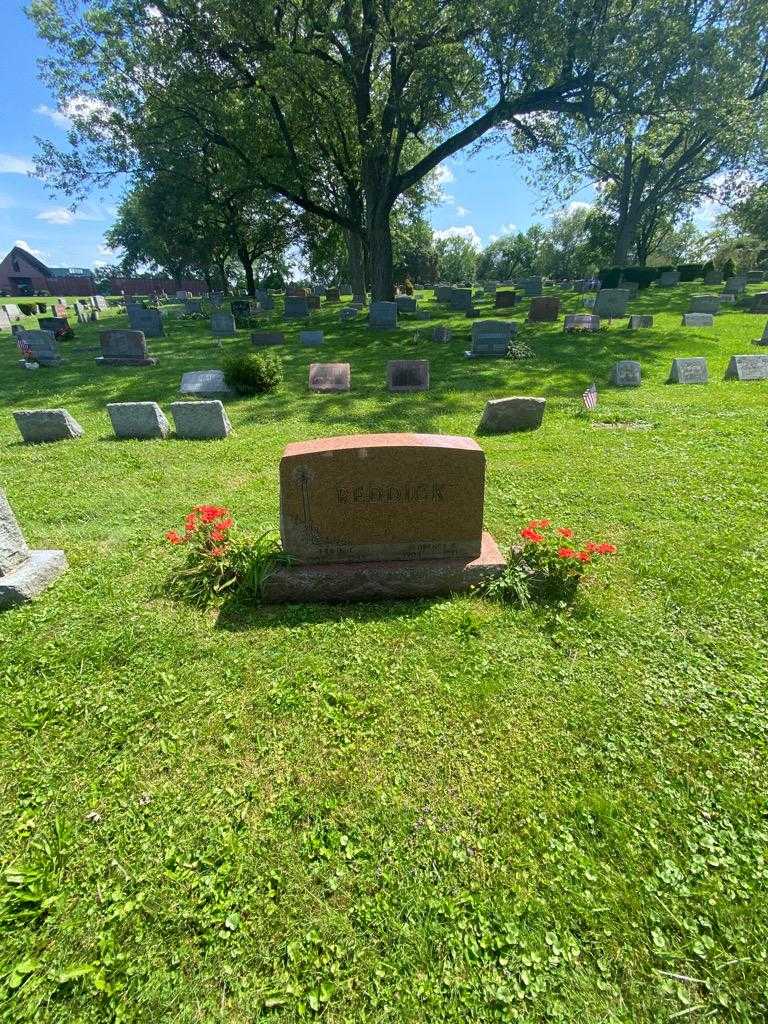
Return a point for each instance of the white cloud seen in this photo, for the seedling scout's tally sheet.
(63, 215)
(15, 164)
(444, 175)
(462, 211)
(466, 231)
(56, 116)
(57, 215)
(578, 204)
(25, 245)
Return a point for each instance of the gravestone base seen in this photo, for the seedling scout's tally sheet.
(125, 361)
(371, 581)
(31, 578)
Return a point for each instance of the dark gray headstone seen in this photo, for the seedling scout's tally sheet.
(491, 338)
(223, 325)
(382, 315)
(504, 415)
(698, 320)
(626, 374)
(42, 347)
(148, 321)
(405, 375)
(530, 285)
(264, 338)
(638, 320)
(611, 303)
(204, 382)
(581, 322)
(405, 304)
(311, 338)
(296, 307)
(692, 370)
(669, 279)
(460, 299)
(124, 348)
(704, 304)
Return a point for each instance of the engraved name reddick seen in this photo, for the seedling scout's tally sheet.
(391, 494)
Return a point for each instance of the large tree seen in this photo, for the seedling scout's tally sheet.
(340, 108)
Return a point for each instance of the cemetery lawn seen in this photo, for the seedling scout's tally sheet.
(442, 810)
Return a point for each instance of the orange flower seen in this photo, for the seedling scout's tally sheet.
(218, 534)
(190, 522)
(218, 552)
(174, 537)
(539, 524)
(565, 531)
(606, 549)
(208, 513)
(566, 552)
(583, 556)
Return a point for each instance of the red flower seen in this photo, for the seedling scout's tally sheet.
(566, 552)
(218, 534)
(606, 549)
(530, 534)
(591, 547)
(540, 524)
(190, 522)
(583, 556)
(226, 524)
(174, 537)
(218, 552)
(565, 531)
(208, 513)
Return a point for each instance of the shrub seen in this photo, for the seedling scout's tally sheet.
(729, 268)
(546, 568)
(609, 277)
(643, 276)
(408, 286)
(690, 271)
(217, 562)
(253, 373)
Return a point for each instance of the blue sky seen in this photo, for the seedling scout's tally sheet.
(484, 195)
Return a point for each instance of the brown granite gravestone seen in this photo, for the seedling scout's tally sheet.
(404, 375)
(544, 309)
(382, 496)
(382, 515)
(329, 377)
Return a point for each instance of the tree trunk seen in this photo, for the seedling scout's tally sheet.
(223, 276)
(245, 258)
(356, 256)
(380, 251)
(624, 242)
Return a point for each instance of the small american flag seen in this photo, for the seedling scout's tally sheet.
(23, 346)
(589, 398)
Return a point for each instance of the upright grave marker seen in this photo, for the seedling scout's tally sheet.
(42, 347)
(137, 420)
(148, 321)
(691, 370)
(544, 309)
(491, 338)
(750, 367)
(36, 425)
(611, 303)
(382, 315)
(405, 375)
(698, 320)
(223, 325)
(626, 374)
(325, 377)
(507, 415)
(704, 304)
(639, 320)
(24, 574)
(124, 348)
(201, 421)
(296, 307)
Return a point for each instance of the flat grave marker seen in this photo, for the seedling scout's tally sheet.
(406, 375)
(325, 377)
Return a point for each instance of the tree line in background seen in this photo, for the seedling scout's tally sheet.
(253, 134)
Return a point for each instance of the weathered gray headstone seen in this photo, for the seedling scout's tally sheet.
(530, 285)
(692, 370)
(348, 313)
(101, 303)
(42, 347)
(491, 338)
(148, 321)
(296, 307)
(611, 303)
(196, 421)
(764, 339)
(750, 367)
(704, 304)
(242, 307)
(193, 306)
(382, 315)
(57, 325)
(758, 303)
(267, 303)
(311, 337)
(504, 415)
(204, 382)
(405, 304)
(713, 277)
(638, 320)
(698, 320)
(264, 338)
(223, 325)
(626, 374)
(24, 574)
(138, 420)
(329, 377)
(442, 334)
(124, 348)
(332, 295)
(727, 298)
(735, 285)
(669, 279)
(5, 320)
(443, 293)
(581, 322)
(47, 425)
(460, 299)
(405, 375)
(756, 276)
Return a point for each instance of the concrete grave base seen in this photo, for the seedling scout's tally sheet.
(370, 581)
(31, 578)
(125, 361)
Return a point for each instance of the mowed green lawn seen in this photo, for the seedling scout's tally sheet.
(437, 810)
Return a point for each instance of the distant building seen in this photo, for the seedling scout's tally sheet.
(21, 273)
